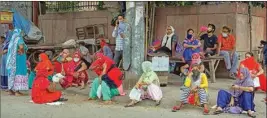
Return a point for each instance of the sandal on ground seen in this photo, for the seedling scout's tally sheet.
(89, 99)
(62, 100)
(176, 108)
(158, 103)
(130, 105)
(217, 112)
(206, 112)
(252, 115)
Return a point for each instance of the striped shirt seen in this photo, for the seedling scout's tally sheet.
(116, 34)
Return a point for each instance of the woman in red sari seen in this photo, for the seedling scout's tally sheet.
(62, 58)
(43, 91)
(255, 69)
(109, 78)
(80, 75)
(44, 64)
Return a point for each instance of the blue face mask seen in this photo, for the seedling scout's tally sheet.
(189, 36)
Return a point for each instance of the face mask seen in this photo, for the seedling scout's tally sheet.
(189, 36)
(195, 73)
(76, 59)
(224, 34)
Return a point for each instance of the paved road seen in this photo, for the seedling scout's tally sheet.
(20, 107)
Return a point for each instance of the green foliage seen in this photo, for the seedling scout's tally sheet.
(100, 6)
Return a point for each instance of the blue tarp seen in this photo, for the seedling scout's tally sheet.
(21, 22)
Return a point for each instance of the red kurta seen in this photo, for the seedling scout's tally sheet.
(40, 93)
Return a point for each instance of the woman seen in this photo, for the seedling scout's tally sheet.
(62, 58)
(43, 91)
(109, 79)
(191, 46)
(3, 71)
(168, 42)
(197, 83)
(256, 71)
(79, 70)
(105, 49)
(44, 64)
(16, 64)
(240, 95)
(146, 87)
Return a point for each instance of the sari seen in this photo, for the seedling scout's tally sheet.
(44, 64)
(16, 63)
(111, 81)
(40, 93)
(82, 76)
(3, 70)
(253, 67)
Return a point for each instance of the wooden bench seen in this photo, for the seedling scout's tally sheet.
(213, 63)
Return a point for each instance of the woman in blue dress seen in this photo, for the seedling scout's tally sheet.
(3, 70)
(16, 64)
(191, 46)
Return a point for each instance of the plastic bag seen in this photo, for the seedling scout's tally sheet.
(135, 94)
(99, 91)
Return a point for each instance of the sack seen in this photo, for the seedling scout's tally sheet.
(99, 91)
(233, 110)
(57, 77)
(135, 94)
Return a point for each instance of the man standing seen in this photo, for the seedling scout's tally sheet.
(118, 33)
(210, 41)
(227, 49)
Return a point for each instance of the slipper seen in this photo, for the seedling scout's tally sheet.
(206, 112)
(252, 115)
(217, 112)
(176, 108)
(158, 103)
(129, 105)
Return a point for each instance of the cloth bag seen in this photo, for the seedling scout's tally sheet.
(99, 91)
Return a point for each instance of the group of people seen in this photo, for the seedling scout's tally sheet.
(71, 70)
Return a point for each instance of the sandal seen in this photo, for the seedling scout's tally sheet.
(176, 108)
(217, 112)
(158, 103)
(130, 105)
(206, 112)
(252, 115)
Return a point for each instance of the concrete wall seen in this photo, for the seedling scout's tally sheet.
(59, 27)
(234, 15)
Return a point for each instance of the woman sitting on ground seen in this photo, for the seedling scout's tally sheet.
(256, 71)
(79, 70)
(109, 78)
(61, 59)
(195, 82)
(148, 86)
(168, 43)
(43, 91)
(240, 95)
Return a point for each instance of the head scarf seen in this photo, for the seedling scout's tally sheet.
(168, 42)
(148, 74)
(77, 54)
(102, 43)
(101, 59)
(44, 64)
(245, 82)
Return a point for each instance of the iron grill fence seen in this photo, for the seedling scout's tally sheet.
(71, 6)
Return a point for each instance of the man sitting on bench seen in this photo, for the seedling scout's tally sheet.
(226, 49)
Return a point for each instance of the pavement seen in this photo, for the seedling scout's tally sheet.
(76, 107)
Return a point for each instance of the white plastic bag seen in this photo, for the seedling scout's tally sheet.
(256, 82)
(57, 77)
(135, 94)
(99, 91)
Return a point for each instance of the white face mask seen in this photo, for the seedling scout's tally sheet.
(224, 34)
(76, 59)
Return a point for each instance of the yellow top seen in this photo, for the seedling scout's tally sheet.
(203, 82)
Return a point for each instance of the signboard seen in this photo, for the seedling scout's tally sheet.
(160, 63)
(6, 17)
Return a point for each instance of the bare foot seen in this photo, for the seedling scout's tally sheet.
(19, 94)
(90, 99)
(107, 102)
(10, 92)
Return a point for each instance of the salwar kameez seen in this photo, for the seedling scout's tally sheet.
(244, 101)
(3, 70)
